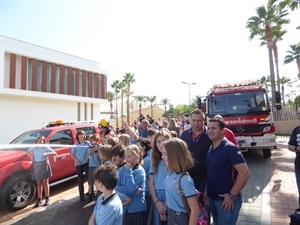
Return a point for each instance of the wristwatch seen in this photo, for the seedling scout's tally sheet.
(233, 197)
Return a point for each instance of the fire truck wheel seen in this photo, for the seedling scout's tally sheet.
(267, 153)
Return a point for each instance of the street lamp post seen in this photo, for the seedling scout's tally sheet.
(189, 84)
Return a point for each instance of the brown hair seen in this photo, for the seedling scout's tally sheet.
(156, 154)
(108, 175)
(105, 152)
(179, 156)
(111, 140)
(125, 138)
(42, 138)
(79, 132)
(198, 112)
(219, 121)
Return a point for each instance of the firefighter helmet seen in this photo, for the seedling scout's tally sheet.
(104, 123)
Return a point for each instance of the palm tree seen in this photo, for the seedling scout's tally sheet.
(265, 80)
(165, 102)
(116, 86)
(110, 98)
(129, 79)
(140, 99)
(151, 100)
(284, 80)
(290, 4)
(278, 32)
(262, 26)
(294, 55)
(123, 90)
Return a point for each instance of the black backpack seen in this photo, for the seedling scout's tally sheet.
(295, 218)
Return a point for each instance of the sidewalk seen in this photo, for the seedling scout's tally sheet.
(268, 198)
(283, 187)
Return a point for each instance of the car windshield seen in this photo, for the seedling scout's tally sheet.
(30, 137)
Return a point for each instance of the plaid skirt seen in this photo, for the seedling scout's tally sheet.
(41, 170)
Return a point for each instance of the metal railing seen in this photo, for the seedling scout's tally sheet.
(286, 113)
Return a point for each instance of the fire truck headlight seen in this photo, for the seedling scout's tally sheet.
(266, 129)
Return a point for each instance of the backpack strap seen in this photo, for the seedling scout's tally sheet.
(186, 205)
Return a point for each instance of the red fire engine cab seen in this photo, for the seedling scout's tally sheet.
(246, 111)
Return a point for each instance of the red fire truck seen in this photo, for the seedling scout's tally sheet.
(246, 110)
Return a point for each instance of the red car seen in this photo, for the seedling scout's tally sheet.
(17, 189)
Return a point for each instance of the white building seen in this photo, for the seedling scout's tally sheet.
(38, 85)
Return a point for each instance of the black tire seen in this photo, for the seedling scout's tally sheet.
(267, 153)
(18, 192)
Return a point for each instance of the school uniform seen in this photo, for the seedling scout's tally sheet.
(177, 213)
(81, 151)
(94, 162)
(41, 166)
(130, 180)
(108, 211)
(159, 181)
(147, 166)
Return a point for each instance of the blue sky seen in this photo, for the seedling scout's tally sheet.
(162, 42)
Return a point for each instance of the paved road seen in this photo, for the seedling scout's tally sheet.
(269, 196)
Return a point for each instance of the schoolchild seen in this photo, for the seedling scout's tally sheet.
(158, 173)
(94, 162)
(132, 183)
(41, 168)
(124, 139)
(80, 155)
(118, 158)
(145, 146)
(108, 209)
(178, 160)
(105, 153)
(117, 154)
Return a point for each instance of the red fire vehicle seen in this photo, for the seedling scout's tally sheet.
(246, 110)
(17, 189)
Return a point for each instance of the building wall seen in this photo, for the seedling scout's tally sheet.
(30, 96)
(285, 127)
(157, 113)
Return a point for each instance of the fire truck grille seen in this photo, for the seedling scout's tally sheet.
(247, 129)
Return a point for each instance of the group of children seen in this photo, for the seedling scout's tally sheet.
(137, 183)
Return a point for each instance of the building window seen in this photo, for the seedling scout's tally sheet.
(29, 77)
(87, 85)
(48, 78)
(80, 83)
(66, 81)
(57, 76)
(73, 82)
(78, 112)
(85, 111)
(99, 87)
(93, 85)
(39, 76)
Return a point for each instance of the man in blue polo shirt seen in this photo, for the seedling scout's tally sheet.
(227, 174)
(198, 143)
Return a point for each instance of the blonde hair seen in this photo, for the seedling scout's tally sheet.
(179, 156)
(135, 150)
(125, 138)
